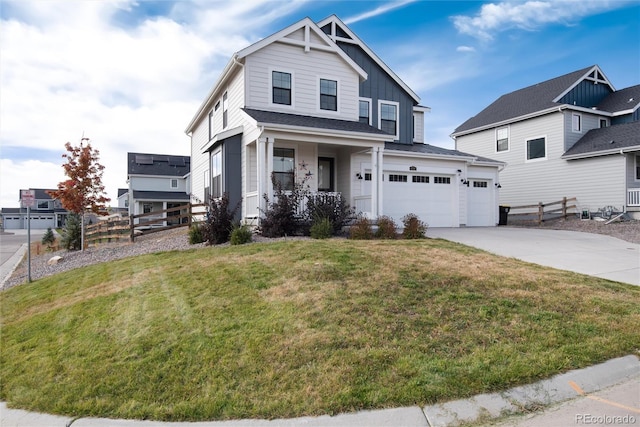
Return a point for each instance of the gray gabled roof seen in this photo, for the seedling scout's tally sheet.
(622, 100)
(435, 150)
(297, 120)
(608, 140)
(523, 102)
(161, 195)
(158, 164)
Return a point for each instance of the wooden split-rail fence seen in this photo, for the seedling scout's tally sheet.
(545, 211)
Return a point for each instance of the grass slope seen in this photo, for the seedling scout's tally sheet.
(300, 328)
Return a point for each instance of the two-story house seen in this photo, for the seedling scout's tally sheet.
(156, 182)
(573, 136)
(315, 101)
(45, 213)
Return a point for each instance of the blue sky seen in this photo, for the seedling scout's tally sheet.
(130, 75)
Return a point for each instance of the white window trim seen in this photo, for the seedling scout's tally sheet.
(370, 101)
(495, 147)
(320, 110)
(270, 88)
(211, 176)
(546, 149)
(579, 116)
(397, 104)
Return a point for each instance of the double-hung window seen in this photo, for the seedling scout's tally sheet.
(502, 139)
(328, 95)
(283, 170)
(216, 174)
(281, 87)
(225, 107)
(536, 148)
(364, 115)
(576, 122)
(389, 118)
(174, 183)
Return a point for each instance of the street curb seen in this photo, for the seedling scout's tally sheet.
(14, 261)
(481, 407)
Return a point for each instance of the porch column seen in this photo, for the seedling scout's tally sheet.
(380, 180)
(270, 142)
(375, 182)
(261, 163)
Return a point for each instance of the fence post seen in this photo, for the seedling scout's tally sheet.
(131, 234)
(540, 212)
(190, 215)
(564, 208)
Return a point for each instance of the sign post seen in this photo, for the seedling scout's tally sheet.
(28, 199)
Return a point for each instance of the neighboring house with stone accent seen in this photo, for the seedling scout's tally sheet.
(574, 136)
(315, 101)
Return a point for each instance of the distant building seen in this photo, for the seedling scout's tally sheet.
(46, 213)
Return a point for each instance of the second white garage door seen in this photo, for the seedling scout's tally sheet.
(431, 197)
(480, 209)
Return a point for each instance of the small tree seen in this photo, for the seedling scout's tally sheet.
(83, 190)
(219, 221)
(49, 238)
(72, 233)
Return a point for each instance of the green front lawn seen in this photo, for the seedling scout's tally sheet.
(301, 328)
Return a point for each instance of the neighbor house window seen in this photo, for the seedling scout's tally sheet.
(389, 118)
(216, 174)
(225, 106)
(364, 115)
(283, 170)
(174, 183)
(604, 123)
(328, 95)
(502, 139)
(281, 84)
(536, 148)
(43, 204)
(147, 207)
(576, 122)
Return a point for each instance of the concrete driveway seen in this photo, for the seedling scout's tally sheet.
(586, 253)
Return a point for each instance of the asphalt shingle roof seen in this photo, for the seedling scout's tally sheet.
(158, 164)
(607, 139)
(523, 101)
(310, 121)
(621, 100)
(432, 149)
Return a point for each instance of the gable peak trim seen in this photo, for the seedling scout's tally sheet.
(594, 74)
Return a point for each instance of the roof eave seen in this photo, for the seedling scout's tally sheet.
(600, 153)
(322, 131)
(509, 121)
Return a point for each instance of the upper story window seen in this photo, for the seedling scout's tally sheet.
(328, 95)
(44, 204)
(174, 183)
(364, 115)
(389, 118)
(502, 139)
(576, 122)
(283, 169)
(604, 123)
(210, 125)
(225, 107)
(537, 148)
(281, 83)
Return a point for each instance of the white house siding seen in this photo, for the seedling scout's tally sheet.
(306, 75)
(156, 183)
(589, 121)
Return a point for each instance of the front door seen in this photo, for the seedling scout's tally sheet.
(325, 174)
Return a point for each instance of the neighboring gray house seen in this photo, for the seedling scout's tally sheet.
(573, 136)
(156, 182)
(313, 99)
(46, 213)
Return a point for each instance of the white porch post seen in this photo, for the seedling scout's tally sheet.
(270, 142)
(380, 180)
(261, 160)
(375, 182)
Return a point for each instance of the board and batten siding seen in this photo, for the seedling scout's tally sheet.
(306, 71)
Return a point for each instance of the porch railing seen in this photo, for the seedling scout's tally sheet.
(252, 200)
(633, 197)
(362, 204)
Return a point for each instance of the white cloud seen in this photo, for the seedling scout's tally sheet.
(377, 11)
(465, 49)
(530, 15)
(74, 66)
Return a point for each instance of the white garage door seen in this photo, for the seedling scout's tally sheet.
(480, 212)
(41, 222)
(12, 223)
(429, 196)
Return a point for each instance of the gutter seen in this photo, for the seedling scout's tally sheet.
(611, 151)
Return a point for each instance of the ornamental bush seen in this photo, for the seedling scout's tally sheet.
(387, 228)
(361, 229)
(414, 228)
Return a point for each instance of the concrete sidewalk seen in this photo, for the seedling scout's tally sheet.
(586, 253)
(618, 378)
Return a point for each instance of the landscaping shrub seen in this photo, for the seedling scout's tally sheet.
(361, 229)
(49, 239)
(414, 228)
(241, 235)
(387, 228)
(195, 234)
(331, 206)
(322, 228)
(282, 216)
(72, 233)
(219, 220)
